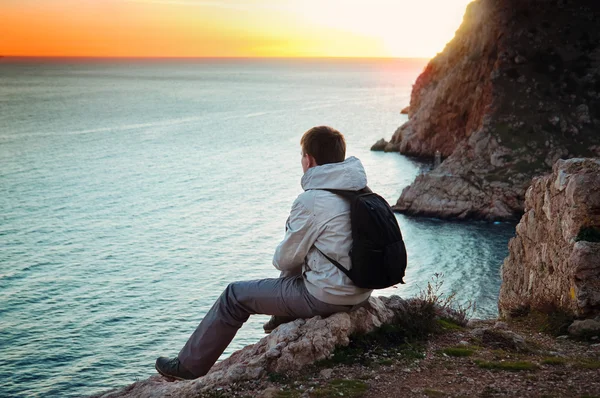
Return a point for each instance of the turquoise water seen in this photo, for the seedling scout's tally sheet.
(133, 192)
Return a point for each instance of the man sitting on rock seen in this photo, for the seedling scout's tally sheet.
(309, 284)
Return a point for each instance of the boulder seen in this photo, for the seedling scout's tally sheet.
(290, 347)
(585, 328)
(501, 339)
(379, 145)
(554, 259)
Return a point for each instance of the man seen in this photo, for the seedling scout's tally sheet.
(310, 285)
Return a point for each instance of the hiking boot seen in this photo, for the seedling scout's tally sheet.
(173, 368)
(276, 321)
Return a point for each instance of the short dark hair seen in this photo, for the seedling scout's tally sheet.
(325, 144)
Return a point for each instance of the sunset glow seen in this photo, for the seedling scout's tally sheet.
(228, 28)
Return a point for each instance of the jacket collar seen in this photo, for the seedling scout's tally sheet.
(347, 175)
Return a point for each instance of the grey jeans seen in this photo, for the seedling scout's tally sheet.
(285, 296)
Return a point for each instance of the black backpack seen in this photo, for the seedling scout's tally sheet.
(378, 254)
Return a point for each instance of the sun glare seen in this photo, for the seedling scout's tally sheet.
(348, 28)
(403, 28)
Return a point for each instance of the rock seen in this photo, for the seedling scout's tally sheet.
(501, 325)
(483, 105)
(583, 114)
(519, 59)
(290, 347)
(502, 339)
(326, 373)
(474, 323)
(585, 328)
(271, 392)
(392, 147)
(551, 264)
(379, 145)
(405, 110)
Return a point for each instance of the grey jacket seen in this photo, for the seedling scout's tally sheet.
(321, 219)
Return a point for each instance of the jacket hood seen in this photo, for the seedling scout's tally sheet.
(347, 175)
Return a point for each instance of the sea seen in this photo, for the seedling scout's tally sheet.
(133, 191)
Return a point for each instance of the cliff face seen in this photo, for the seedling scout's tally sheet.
(554, 261)
(516, 89)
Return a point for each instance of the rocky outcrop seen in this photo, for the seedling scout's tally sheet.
(383, 145)
(379, 145)
(515, 90)
(554, 260)
(290, 347)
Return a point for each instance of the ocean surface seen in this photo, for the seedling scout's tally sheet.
(132, 192)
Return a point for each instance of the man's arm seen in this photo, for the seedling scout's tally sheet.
(300, 235)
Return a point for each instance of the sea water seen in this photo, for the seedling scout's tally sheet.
(132, 192)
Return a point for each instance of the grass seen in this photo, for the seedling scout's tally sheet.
(552, 321)
(434, 393)
(448, 325)
(288, 394)
(556, 323)
(410, 351)
(434, 311)
(352, 388)
(588, 364)
(342, 387)
(363, 347)
(369, 349)
(554, 361)
(508, 366)
(431, 312)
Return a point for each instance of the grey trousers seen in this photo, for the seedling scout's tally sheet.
(285, 296)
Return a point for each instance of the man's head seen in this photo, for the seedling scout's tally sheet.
(322, 145)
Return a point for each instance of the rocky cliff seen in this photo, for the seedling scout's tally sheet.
(516, 89)
(554, 261)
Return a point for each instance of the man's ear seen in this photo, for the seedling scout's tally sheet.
(311, 161)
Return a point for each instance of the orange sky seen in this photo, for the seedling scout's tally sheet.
(228, 28)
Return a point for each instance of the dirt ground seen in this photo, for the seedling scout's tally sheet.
(475, 361)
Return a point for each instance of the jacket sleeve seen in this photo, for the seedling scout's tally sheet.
(300, 235)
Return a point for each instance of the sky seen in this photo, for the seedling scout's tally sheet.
(228, 28)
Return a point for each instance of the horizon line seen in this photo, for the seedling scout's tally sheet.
(160, 57)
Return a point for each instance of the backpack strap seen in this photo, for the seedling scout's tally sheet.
(348, 195)
(338, 265)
